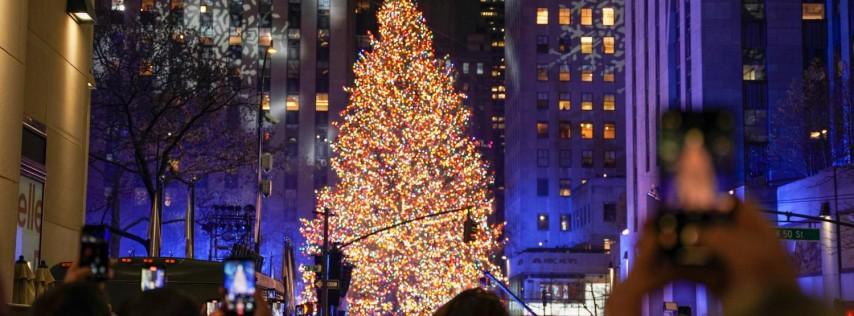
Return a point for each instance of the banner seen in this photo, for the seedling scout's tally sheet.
(30, 211)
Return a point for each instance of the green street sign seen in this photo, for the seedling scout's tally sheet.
(798, 233)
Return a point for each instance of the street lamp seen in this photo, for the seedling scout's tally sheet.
(262, 186)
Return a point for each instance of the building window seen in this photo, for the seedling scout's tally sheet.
(610, 160)
(587, 102)
(565, 187)
(542, 44)
(586, 130)
(609, 102)
(292, 103)
(586, 45)
(542, 129)
(564, 73)
(565, 130)
(542, 187)
(564, 16)
(609, 212)
(479, 68)
(565, 222)
(563, 44)
(608, 75)
(587, 73)
(608, 16)
(542, 73)
(563, 102)
(608, 45)
(465, 68)
(542, 158)
(542, 100)
(586, 161)
(586, 16)
(321, 102)
(565, 158)
(543, 221)
(609, 131)
(542, 16)
(753, 72)
(813, 11)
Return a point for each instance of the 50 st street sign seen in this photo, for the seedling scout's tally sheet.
(798, 233)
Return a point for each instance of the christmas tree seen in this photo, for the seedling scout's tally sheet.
(402, 153)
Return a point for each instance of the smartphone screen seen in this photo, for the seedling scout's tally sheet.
(152, 277)
(212, 306)
(239, 286)
(94, 251)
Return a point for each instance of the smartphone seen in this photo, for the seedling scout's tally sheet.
(152, 277)
(678, 228)
(94, 251)
(212, 306)
(239, 286)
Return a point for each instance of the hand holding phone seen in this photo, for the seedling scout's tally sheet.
(239, 283)
(94, 252)
(152, 277)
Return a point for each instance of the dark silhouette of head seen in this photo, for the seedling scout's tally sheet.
(72, 299)
(160, 302)
(473, 302)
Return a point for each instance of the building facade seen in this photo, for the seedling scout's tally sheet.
(747, 57)
(45, 70)
(564, 131)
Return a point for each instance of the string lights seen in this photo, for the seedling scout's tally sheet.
(401, 153)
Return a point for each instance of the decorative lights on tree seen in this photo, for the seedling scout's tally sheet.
(401, 153)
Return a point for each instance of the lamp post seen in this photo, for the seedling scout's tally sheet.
(260, 122)
(822, 136)
(154, 231)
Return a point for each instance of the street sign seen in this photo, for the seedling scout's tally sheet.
(330, 284)
(314, 268)
(809, 234)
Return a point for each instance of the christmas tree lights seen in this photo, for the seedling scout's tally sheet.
(401, 153)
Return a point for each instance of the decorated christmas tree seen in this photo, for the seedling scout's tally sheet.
(402, 153)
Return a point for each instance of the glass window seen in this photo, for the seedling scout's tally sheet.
(586, 161)
(753, 72)
(565, 222)
(586, 16)
(542, 158)
(542, 129)
(565, 130)
(292, 103)
(321, 102)
(543, 221)
(610, 160)
(587, 102)
(564, 73)
(813, 11)
(479, 68)
(542, 187)
(587, 74)
(564, 16)
(465, 68)
(609, 131)
(542, 73)
(586, 130)
(542, 44)
(608, 16)
(565, 189)
(608, 45)
(565, 158)
(586, 45)
(542, 16)
(609, 212)
(542, 100)
(563, 44)
(608, 75)
(609, 102)
(563, 102)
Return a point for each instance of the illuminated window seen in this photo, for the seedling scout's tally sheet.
(610, 160)
(543, 221)
(609, 131)
(586, 130)
(321, 102)
(608, 45)
(586, 161)
(564, 130)
(465, 68)
(563, 102)
(753, 72)
(587, 74)
(565, 191)
(479, 68)
(176, 4)
(542, 158)
(542, 100)
(564, 73)
(564, 16)
(542, 73)
(542, 16)
(292, 103)
(542, 129)
(608, 75)
(586, 45)
(608, 16)
(813, 11)
(565, 223)
(146, 5)
(118, 5)
(609, 102)
(587, 102)
(265, 102)
(586, 16)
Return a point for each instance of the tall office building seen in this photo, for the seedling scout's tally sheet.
(564, 148)
(746, 57)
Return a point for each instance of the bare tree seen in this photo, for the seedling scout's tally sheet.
(168, 105)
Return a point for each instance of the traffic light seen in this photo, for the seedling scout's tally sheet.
(468, 229)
